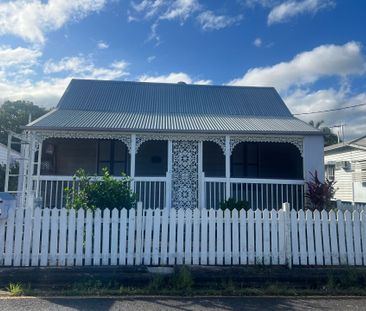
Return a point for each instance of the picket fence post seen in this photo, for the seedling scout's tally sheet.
(288, 254)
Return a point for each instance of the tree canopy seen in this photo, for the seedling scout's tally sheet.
(329, 137)
(15, 114)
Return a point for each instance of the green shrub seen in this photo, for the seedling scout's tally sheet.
(232, 204)
(105, 193)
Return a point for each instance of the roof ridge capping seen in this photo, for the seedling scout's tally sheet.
(179, 83)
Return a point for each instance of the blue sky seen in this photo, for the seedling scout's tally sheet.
(312, 51)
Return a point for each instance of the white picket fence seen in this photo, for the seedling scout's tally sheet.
(60, 237)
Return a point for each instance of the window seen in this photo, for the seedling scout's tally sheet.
(329, 171)
(113, 154)
(244, 160)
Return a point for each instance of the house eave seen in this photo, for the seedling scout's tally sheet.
(144, 131)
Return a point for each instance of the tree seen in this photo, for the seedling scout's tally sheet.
(14, 115)
(329, 137)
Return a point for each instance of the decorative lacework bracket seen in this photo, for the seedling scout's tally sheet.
(125, 138)
(220, 140)
(295, 140)
(185, 174)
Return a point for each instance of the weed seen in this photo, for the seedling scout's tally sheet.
(156, 283)
(182, 279)
(15, 289)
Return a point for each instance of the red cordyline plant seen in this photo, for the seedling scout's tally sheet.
(319, 193)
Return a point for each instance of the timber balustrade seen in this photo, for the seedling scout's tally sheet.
(61, 237)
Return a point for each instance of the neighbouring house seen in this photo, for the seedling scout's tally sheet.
(345, 163)
(184, 146)
(14, 155)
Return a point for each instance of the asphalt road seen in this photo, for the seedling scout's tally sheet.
(182, 304)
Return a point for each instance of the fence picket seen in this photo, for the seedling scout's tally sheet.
(62, 238)
(196, 237)
(325, 235)
(220, 237)
(357, 238)
(235, 236)
(251, 236)
(164, 237)
(156, 237)
(180, 236)
(105, 236)
(79, 238)
(45, 237)
(281, 237)
(310, 237)
(122, 255)
(204, 230)
(97, 237)
(333, 238)
(114, 237)
(258, 237)
(88, 238)
(139, 230)
(341, 238)
(172, 236)
(274, 237)
(266, 238)
(294, 237)
(302, 238)
(363, 235)
(188, 238)
(28, 222)
(131, 236)
(2, 240)
(318, 239)
(18, 240)
(54, 237)
(71, 238)
(212, 237)
(349, 238)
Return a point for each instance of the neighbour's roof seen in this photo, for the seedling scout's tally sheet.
(359, 143)
(142, 106)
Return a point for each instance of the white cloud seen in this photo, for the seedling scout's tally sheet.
(102, 45)
(284, 11)
(173, 77)
(302, 101)
(181, 9)
(18, 56)
(151, 58)
(308, 67)
(257, 42)
(32, 19)
(45, 93)
(209, 21)
(85, 68)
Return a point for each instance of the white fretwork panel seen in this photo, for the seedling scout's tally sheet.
(185, 174)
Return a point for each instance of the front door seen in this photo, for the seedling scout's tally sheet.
(185, 174)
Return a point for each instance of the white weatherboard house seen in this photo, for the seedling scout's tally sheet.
(346, 164)
(184, 146)
(4, 155)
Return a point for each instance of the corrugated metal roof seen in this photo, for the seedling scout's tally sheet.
(141, 106)
(355, 143)
(75, 119)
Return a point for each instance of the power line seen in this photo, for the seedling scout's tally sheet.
(329, 110)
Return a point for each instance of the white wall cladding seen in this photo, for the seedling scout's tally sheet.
(344, 185)
(60, 237)
(313, 155)
(4, 153)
